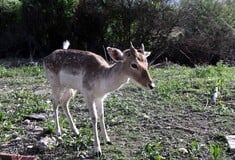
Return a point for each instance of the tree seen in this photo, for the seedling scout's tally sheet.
(48, 23)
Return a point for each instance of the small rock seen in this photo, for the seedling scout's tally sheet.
(231, 142)
(26, 122)
(48, 101)
(18, 139)
(38, 117)
(30, 146)
(32, 63)
(41, 92)
(146, 116)
(82, 154)
(47, 141)
(181, 140)
(183, 150)
(168, 127)
(38, 129)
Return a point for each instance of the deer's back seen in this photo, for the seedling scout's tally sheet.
(73, 61)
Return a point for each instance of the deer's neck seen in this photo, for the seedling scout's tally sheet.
(114, 77)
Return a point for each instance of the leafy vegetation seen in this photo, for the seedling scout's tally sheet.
(216, 151)
(142, 124)
(189, 32)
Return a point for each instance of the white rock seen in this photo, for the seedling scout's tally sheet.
(38, 117)
(18, 138)
(183, 150)
(26, 122)
(231, 142)
(47, 141)
(30, 146)
(38, 129)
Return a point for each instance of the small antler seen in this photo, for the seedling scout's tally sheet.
(132, 47)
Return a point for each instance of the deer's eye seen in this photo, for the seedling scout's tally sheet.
(133, 65)
(139, 59)
(128, 54)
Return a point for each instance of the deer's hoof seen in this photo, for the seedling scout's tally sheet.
(109, 143)
(98, 154)
(58, 132)
(76, 134)
(75, 131)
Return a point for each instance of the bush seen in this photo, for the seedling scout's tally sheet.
(118, 22)
(88, 26)
(187, 32)
(9, 14)
(206, 38)
(10, 27)
(48, 22)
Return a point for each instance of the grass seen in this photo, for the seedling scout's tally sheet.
(142, 124)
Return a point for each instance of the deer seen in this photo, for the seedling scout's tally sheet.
(72, 70)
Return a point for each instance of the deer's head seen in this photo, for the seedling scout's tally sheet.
(135, 64)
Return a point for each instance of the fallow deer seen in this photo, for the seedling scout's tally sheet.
(70, 70)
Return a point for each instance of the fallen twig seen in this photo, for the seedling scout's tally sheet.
(177, 126)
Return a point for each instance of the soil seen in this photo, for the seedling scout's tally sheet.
(134, 119)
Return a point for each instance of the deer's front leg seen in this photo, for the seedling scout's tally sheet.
(94, 119)
(100, 112)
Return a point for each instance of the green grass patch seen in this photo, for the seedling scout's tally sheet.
(142, 124)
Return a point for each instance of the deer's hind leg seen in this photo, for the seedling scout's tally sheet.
(67, 95)
(56, 93)
(56, 104)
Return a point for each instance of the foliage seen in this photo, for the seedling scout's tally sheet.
(194, 149)
(216, 151)
(189, 32)
(10, 28)
(9, 13)
(48, 23)
(206, 36)
(151, 152)
(88, 26)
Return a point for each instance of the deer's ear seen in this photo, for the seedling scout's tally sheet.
(147, 53)
(115, 54)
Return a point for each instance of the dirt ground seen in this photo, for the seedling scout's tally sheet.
(141, 125)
